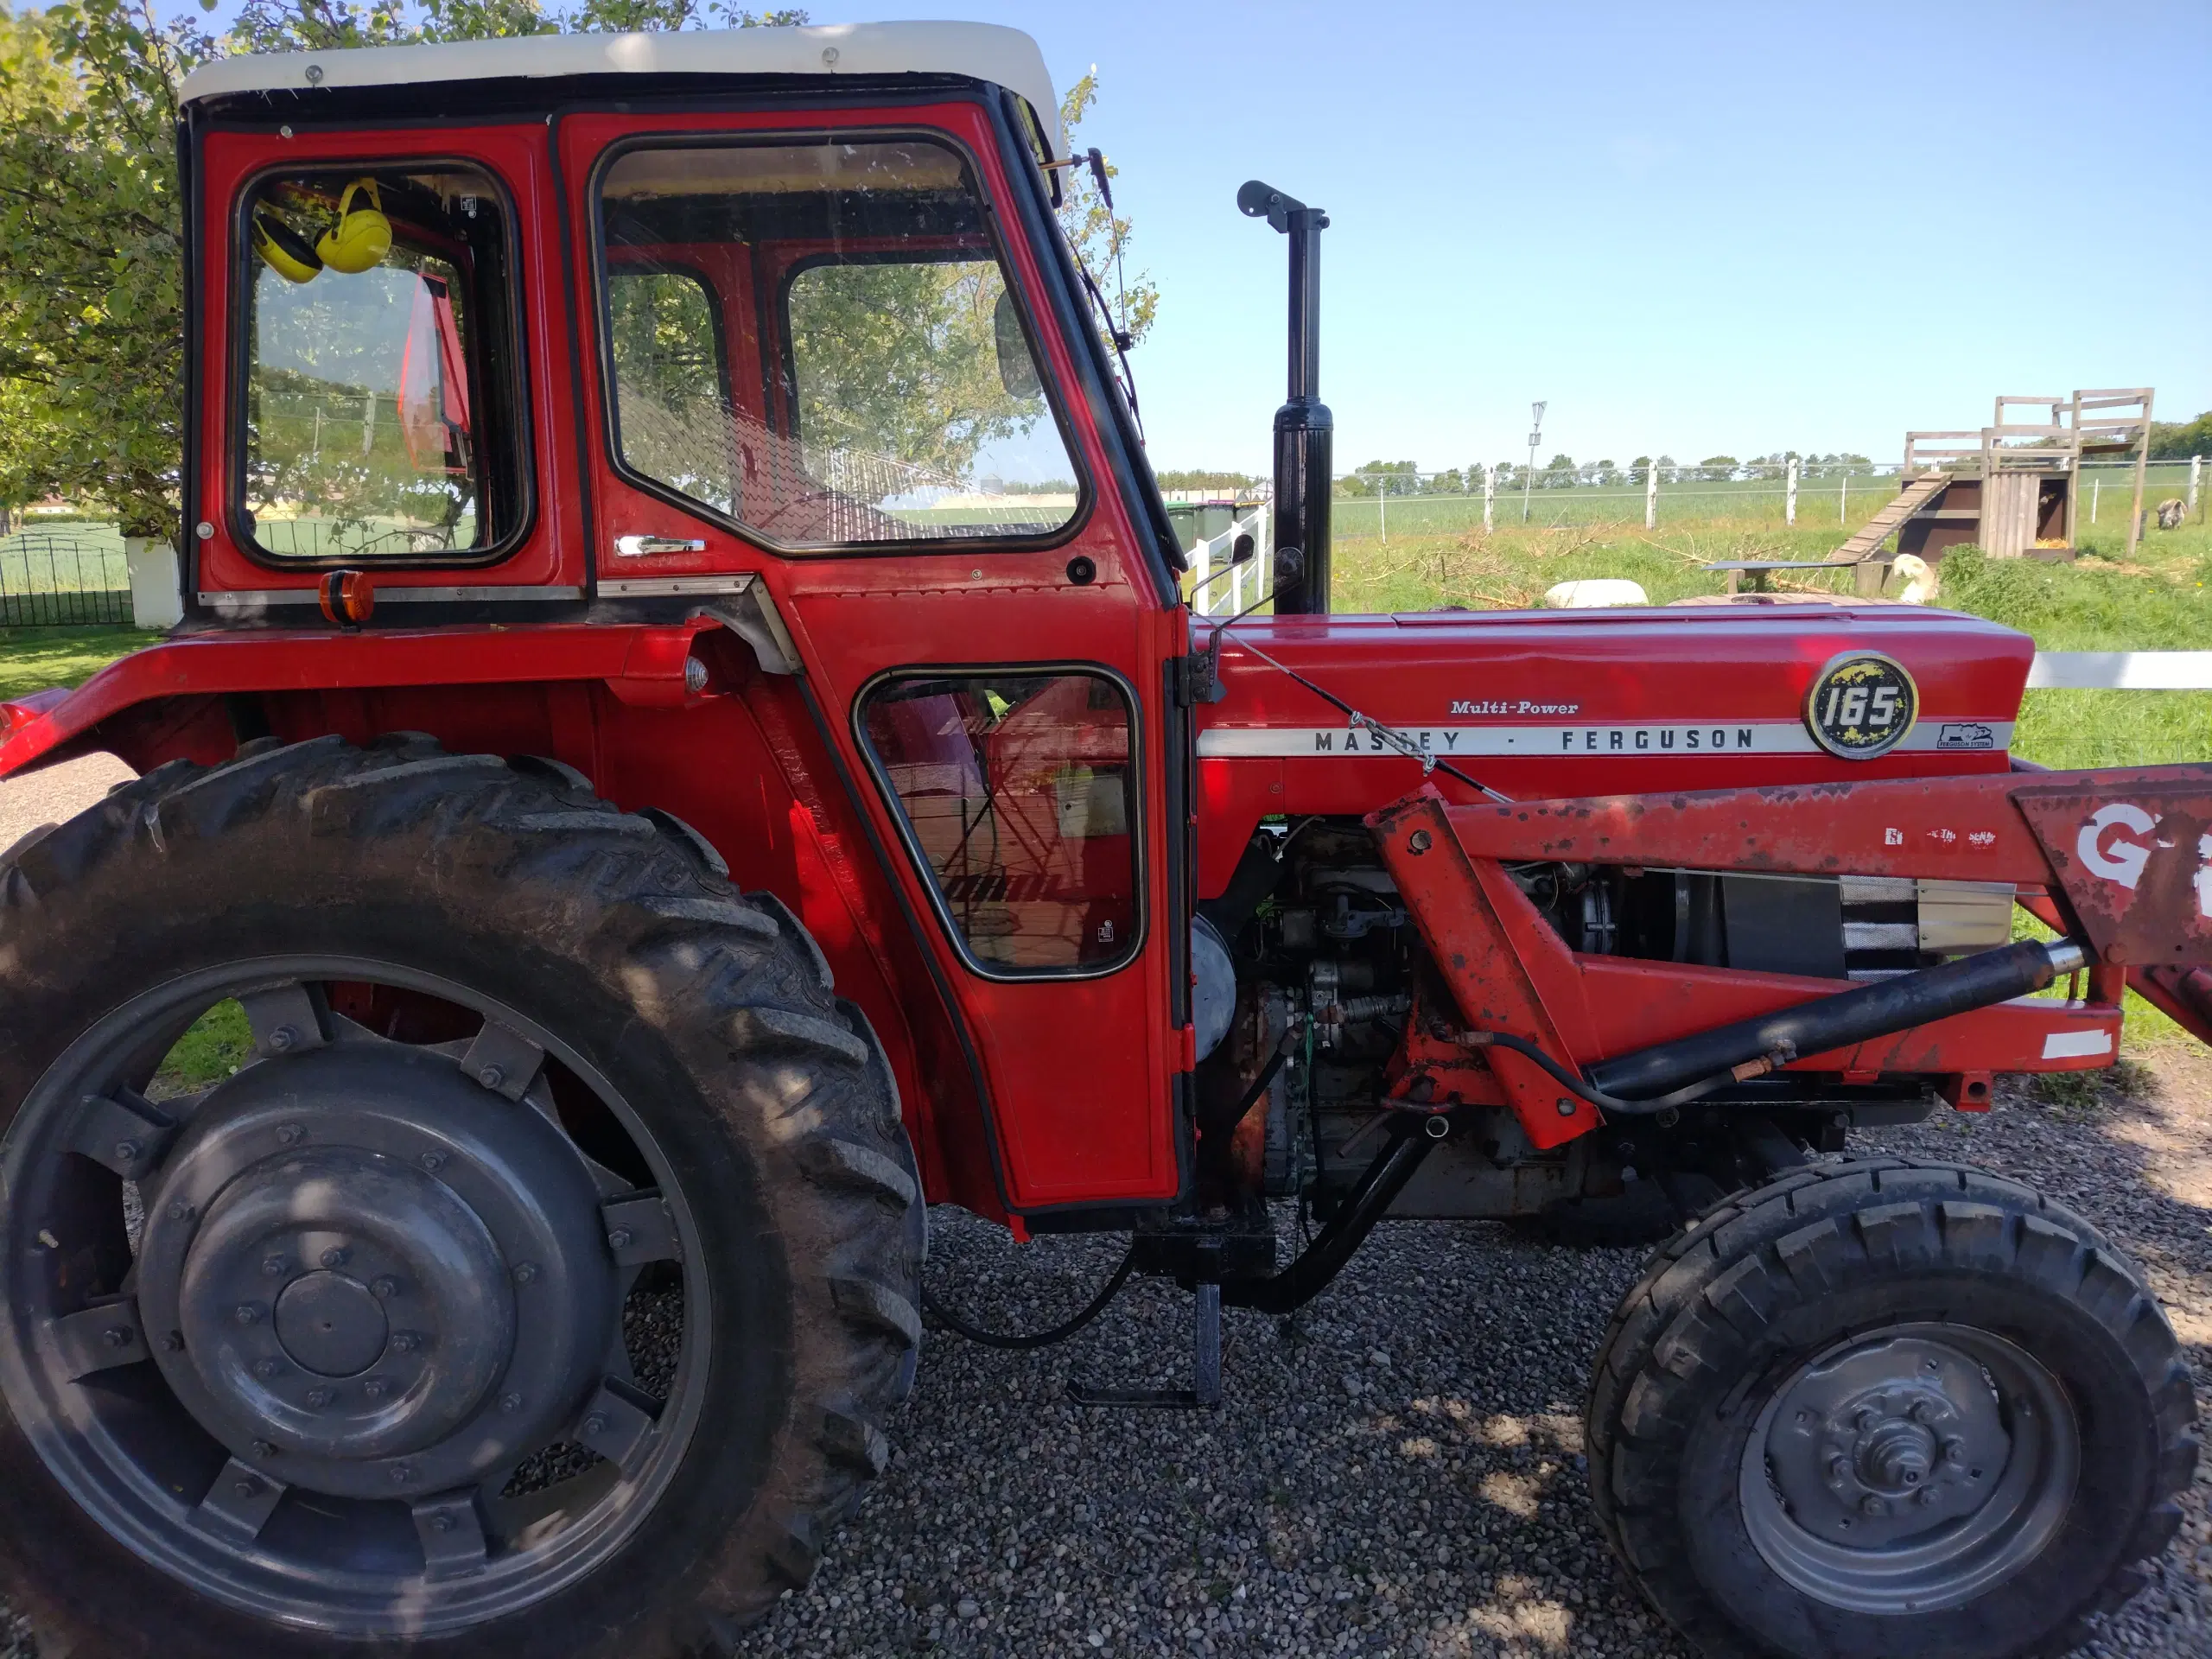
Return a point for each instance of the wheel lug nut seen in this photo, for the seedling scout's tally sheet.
(265, 1449)
(1867, 1418)
(281, 1039)
(491, 1076)
(1930, 1365)
(384, 1289)
(173, 1342)
(1928, 1498)
(1921, 1411)
(441, 1523)
(595, 1424)
(117, 1335)
(247, 1488)
(248, 1313)
(525, 1272)
(268, 1368)
(321, 1398)
(620, 1239)
(335, 1257)
(434, 1161)
(1954, 1450)
(401, 1474)
(405, 1343)
(376, 1388)
(511, 1403)
(126, 1151)
(290, 1134)
(275, 1266)
(1873, 1505)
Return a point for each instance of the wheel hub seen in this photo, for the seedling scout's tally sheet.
(330, 1325)
(1904, 1472)
(374, 1275)
(1885, 1441)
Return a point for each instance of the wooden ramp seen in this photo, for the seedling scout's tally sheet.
(1870, 536)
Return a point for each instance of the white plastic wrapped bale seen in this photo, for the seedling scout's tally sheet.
(1594, 592)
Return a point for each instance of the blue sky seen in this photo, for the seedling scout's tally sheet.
(1692, 228)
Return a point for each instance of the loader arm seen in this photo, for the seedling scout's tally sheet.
(2119, 862)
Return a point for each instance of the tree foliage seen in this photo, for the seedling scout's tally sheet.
(1099, 235)
(90, 294)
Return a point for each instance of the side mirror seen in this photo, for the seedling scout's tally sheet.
(1241, 551)
(1017, 369)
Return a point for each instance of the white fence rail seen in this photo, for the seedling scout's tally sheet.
(2122, 670)
(1220, 587)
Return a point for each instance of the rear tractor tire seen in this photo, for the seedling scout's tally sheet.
(538, 1286)
(1889, 1410)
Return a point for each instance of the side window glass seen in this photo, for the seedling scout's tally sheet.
(379, 420)
(1018, 796)
(894, 396)
(672, 381)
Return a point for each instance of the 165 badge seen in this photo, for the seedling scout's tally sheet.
(1861, 705)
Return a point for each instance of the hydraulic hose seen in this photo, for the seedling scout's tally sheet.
(1060, 1332)
(1852, 1016)
(1710, 1061)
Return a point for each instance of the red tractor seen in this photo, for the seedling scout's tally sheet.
(686, 744)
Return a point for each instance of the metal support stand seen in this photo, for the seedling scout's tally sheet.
(1204, 1392)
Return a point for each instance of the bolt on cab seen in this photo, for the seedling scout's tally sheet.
(686, 744)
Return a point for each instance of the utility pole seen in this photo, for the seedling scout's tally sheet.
(1536, 437)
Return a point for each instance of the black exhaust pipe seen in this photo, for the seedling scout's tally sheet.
(1857, 1016)
(1305, 430)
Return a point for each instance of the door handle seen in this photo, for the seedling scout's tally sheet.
(634, 547)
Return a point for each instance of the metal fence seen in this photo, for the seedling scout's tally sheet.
(64, 576)
(1375, 504)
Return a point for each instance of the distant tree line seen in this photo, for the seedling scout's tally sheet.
(1563, 472)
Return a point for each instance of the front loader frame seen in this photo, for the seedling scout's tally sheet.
(2119, 862)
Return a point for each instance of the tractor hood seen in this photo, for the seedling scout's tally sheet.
(1547, 704)
(1552, 704)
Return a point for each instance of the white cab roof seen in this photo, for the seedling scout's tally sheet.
(979, 51)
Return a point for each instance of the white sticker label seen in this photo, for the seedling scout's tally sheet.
(2070, 1045)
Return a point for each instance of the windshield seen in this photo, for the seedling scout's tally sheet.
(817, 340)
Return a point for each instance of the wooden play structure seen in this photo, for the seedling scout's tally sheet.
(2011, 488)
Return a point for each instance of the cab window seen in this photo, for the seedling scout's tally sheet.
(1016, 793)
(842, 362)
(379, 421)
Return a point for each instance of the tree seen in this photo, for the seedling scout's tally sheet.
(92, 339)
(1382, 478)
(1558, 473)
(2173, 441)
(1206, 479)
(1099, 235)
(1717, 469)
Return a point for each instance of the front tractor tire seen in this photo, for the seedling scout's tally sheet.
(538, 1286)
(1889, 1410)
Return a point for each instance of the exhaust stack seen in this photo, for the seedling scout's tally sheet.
(1305, 430)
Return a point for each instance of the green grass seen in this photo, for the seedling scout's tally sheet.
(219, 1043)
(33, 659)
(2160, 600)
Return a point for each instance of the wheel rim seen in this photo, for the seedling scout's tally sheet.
(354, 1352)
(1911, 1470)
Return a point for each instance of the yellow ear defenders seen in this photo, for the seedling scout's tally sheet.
(362, 236)
(282, 249)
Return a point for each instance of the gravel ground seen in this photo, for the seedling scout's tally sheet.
(55, 794)
(1404, 1477)
(1399, 1473)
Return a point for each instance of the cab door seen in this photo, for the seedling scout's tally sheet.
(831, 360)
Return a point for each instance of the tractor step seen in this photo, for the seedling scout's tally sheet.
(1204, 1392)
